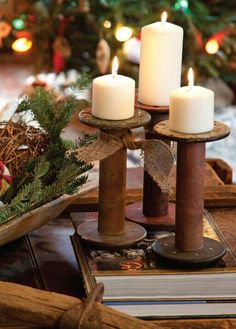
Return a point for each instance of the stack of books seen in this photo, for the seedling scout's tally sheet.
(137, 282)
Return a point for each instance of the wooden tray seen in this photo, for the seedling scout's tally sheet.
(19, 226)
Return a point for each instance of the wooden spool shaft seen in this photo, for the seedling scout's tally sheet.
(112, 190)
(155, 203)
(190, 196)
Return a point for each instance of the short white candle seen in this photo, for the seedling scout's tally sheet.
(191, 108)
(160, 62)
(113, 96)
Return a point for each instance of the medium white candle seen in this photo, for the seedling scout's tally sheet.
(160, 62)
(191, 108)
(113, 96)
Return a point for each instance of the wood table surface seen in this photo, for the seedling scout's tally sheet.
(45, 259)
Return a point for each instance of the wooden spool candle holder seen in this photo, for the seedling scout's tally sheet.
(155, 212)
(189, 246)
(111, 229)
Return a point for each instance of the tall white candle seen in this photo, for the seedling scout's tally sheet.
(160, 62)
(191, 108)
(113, 96)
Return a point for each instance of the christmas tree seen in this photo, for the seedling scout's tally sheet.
(85, 34)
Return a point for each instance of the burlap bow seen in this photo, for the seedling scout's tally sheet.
(158, 156)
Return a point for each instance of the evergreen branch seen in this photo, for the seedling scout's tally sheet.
(36, 195)
(63, 179)
(53, 114)
(18, 205)
(49, 176)
(83, 82)
(41, 167)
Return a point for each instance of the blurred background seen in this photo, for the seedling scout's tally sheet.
(52, 43)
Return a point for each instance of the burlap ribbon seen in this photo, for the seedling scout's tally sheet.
(158, 156)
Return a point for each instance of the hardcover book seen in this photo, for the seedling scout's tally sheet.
(138, 282)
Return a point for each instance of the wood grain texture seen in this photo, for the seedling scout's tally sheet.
(223, 170)
(197, 324)
(47, 309)
(139, 119)
(19, 226)
(17, 264)
(216, 194)
(219, 131)
(25, 307)
(225, 219)
(189, 196)
(54, 257)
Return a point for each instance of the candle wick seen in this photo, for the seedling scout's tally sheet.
(190, 79)
(114, 67)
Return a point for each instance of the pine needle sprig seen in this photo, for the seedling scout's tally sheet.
(63, 179)
(54, 173)
(52, 113)
(41, 167)
(83, 81)
(34, 194)
(18, 205)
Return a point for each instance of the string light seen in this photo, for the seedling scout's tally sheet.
(124, 33)
(107, 24)
(18, 24)
(212, 46)
(22, 45)
(23, 34)
(181, 5)
(23, 17)
(32, 18)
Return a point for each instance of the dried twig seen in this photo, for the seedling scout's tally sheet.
(19, 144)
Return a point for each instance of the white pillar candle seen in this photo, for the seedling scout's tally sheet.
(191, 109)
(160, 62)
(113, 96)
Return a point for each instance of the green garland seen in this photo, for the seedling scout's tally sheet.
(55, 172)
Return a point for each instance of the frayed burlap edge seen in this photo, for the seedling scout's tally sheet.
(158, 156)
